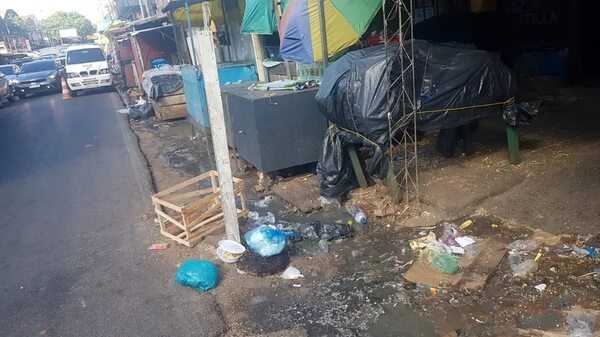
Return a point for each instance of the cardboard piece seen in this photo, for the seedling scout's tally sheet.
(473, 272)
(545, 238)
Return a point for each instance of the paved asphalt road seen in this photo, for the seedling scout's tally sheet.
(73, 254)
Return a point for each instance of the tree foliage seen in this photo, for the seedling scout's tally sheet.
(66, 20)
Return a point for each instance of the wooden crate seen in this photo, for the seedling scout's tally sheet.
(188, 213)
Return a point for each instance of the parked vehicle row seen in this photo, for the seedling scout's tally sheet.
(83, 67)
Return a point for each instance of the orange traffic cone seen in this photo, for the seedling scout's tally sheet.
(66, 94)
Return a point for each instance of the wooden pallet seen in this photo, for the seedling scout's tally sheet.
(187, 213)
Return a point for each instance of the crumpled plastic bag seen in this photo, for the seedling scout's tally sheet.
(317, 231)
(199, 274)
(522, 246)
(255, 220)
(581, 323)
(266, 240)
(291, 273)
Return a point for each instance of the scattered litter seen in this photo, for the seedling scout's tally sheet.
(241, 272)
(158, 246)
(230, 251)
(537, 257)
(541, 287)
(317, 231)
(328, 203)
(466, 224)
(264, 203)
(422, 242)
(522, 246)
(406, 264)
(595, 272)
(324, 245)
(464, 241)
(562, 250)
(495, 226)
(457, 250)
(199, 274)
(255, 220)
(440, 259)
(296, 285)
(291, 273)
(357, 214)
(580, 251)
(553, 269)
(156, 220)
(591, 252)
(522, 269)
(423, 233)
(581, 323)
(357, 253)
(266, 240)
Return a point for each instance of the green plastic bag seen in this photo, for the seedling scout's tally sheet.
(199, 274)
(443, 262)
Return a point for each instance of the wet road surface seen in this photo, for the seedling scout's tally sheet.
(73, 254)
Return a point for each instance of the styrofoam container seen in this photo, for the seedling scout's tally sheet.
(230, 251)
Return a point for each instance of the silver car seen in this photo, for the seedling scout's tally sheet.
(8, 73)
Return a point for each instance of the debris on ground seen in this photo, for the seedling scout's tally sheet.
(319, 231)
(329, 203)
(291, 273)
(254, 264)
(230, 251)
(357, 214)
(255, 220)
(199, 274)
(264, 202)
(266, 241)
(158, 246)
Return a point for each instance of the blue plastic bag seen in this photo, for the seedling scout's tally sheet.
(199, 274)
(266, 241)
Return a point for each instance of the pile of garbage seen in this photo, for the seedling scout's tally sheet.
(269, 241)
(449, 258)
(267, 247)
(443, 252)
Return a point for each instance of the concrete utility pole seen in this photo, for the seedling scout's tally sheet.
(208, 62)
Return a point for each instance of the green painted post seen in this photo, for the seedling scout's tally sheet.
(514, 155)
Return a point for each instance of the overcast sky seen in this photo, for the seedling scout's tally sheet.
(43, 8)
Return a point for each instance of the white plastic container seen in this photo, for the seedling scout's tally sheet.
(230, 251)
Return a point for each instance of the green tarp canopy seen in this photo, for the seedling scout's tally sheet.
(259, 17)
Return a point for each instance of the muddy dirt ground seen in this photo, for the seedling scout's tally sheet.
(357, 288)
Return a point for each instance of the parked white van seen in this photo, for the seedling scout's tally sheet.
(86, 67)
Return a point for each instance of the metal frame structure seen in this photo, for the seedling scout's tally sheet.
(403, 171)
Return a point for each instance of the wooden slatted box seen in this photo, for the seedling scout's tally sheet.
(191, 210)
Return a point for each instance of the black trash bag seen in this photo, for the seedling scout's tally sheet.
(316, 231)
(360, 95)
(334, 168)
(257, 265)
(142, 111)
(520, 114)
(164, 85)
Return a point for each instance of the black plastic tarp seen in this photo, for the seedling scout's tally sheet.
(359, 95)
